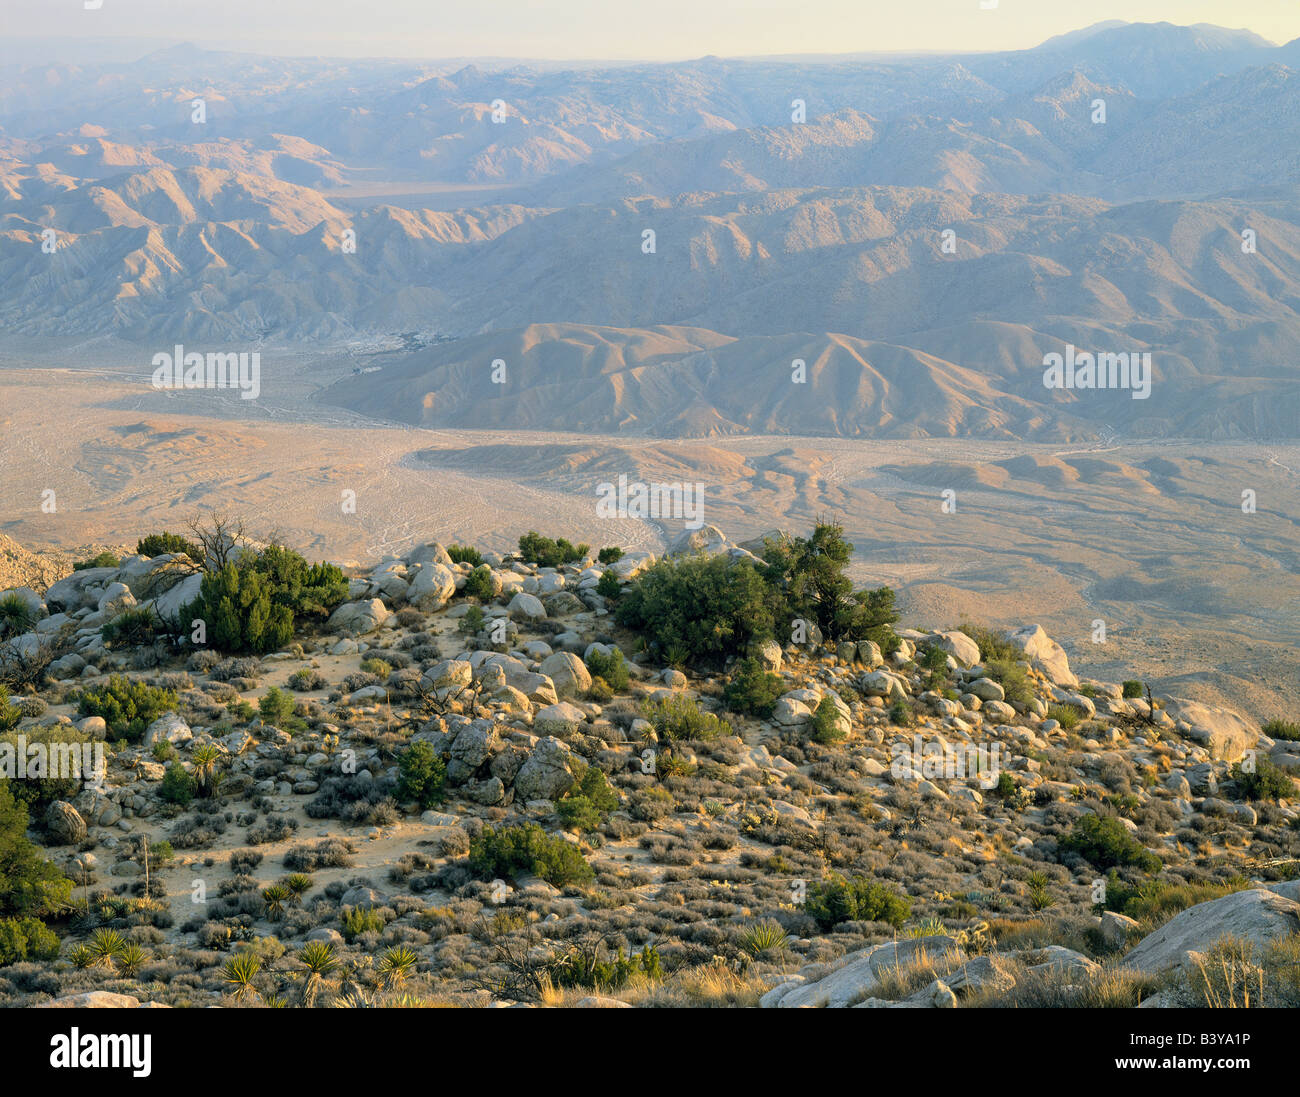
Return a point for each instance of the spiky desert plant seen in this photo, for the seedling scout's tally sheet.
(81, 957)
(204, 758)
(930, 927)
(16, 615)
(275, 897)
(131, 959)
(320, 959)
(298, 883)
(239, 972)
(106, 946)
(396, 965)
(765, 936)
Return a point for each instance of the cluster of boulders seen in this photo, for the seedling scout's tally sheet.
(73, 611)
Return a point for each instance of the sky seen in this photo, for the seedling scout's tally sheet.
(616, 29)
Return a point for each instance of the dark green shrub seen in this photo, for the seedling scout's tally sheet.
(1264, 781)
(163, 544)
(276, 707)
(808, 574)
(30, 886)
(465, 554)
(478, 584)
(178, 785)
(588, 802)
(860, 899)
(105, 559)
(1013, 677)
(542, 551)
(1287, 730)
(700, 609)
(900, 713)
(610, 555)
(608, 586)
(825, 727)
(611, 667)
(421, 776)
(361, 920)
(993, 645)
(679, 718)
(1105, 843)
(235, 603)
(752, 690)
(589, 967)
(1066, 715)
(473, 621)
(61, 742)
(26, 939)
(1132, 688)
(252, 605)
(511, 851)
(131, 628)
(128, 707)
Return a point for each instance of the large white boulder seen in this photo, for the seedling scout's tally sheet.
(1258, 915)
(1225, 734)
(1045, 654)
(357, 618)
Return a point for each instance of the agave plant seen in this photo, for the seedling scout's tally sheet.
(396, 965)
(275, 897)
(239, 972)
(765, 936)
(131, 959)
(355, 999)
(106, 945)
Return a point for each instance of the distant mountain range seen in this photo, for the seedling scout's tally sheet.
(1171, 227)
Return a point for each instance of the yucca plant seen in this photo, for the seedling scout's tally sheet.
(396, 965)
(355, 999)
(204, 758)
(16, 615)
(81, 957)
(299, 883)
(239, 972)
(106, 945)
(131, 959)
(275, 897)
(765, 936)
(931, 927)
(1039, 897)
(320, 959)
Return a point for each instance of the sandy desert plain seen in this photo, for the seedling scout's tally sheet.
(1150, 537)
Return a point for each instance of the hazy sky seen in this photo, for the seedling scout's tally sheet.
(659, 29)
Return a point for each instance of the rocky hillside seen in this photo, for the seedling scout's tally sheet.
(469, 783)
